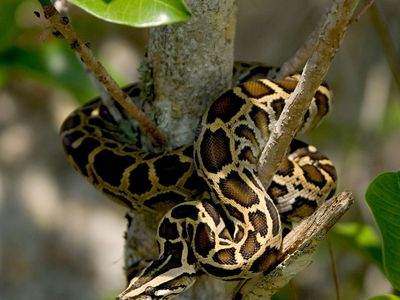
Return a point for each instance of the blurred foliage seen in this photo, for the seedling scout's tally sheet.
(359, 238)
(383, 197)
(28, 50)
(385, 297)
(23, 52)
(137, 13)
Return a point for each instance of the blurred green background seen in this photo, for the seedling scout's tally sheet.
(60, 239)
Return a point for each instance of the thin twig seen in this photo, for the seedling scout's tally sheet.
(61, 24)
(334, 269)
(362, 11)
(317, 66)
(63, 8)
(297, 61)
(387, 43)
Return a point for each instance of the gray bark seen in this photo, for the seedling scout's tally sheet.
(191, 64)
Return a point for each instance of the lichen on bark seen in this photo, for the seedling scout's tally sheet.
(191, 64)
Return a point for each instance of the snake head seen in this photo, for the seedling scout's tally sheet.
(158, 288)
(164, 278)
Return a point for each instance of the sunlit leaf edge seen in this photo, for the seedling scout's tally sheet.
(385, 297)
(382, 196)
(182, 13)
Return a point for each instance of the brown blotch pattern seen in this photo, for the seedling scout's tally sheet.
(246, 132)
(322, 103)
(169, 169)
(250, 246)
(224, 234)
(212, 212)
(234, 212)
(225, 107)
(276, 190)
(301, 209)
(266, 261)
(256, 89)
(258, 220)
(286, 168)
(110, 166)
(239, 234)
(215, 151)
(330, 170)
(274, 216)
(313, 175)
(261, 120)
(139, 182)
(80, 155)
(247, 155)
(168, 230)
(252, 178)
(278, 105)
(204, 239)
(235, 188)
(185, 211)
(164, 201)
(288, 85)
(225, 256)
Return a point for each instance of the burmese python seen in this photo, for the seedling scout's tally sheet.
(220, 219)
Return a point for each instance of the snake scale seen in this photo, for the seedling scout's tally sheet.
(218, 217)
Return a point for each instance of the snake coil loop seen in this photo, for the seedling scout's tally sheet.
(219, 218)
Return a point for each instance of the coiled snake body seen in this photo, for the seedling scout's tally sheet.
(220, 219)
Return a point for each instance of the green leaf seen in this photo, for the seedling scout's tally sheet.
(49, 64)
(385, 297)
(383, 197)
(359, 238)
(137, 13)
(7, 22)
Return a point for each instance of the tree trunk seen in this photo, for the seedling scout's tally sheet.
(191, 65)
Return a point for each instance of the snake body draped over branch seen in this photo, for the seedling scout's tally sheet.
(218, 217)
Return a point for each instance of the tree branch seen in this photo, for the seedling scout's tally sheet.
(188, 65)
(61, 25)
(387, 42)
(192, 65)
(298, 248)
(329, 41)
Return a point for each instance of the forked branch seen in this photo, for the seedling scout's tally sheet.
(298, 247)
(301, 243)
(330, 38)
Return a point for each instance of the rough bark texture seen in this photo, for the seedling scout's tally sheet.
(329, 41)
(191, 64)
(298, 248)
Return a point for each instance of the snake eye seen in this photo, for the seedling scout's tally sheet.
(149, 291)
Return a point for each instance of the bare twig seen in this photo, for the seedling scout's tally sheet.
(330, 39)
(362, 11)
(297, 61)
(61, 24)
(334, 269)
(298, 248)
(387, 43)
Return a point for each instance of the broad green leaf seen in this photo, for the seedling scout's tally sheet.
(359, 238)
(383, 197)
(385, 297)
(137, 13)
